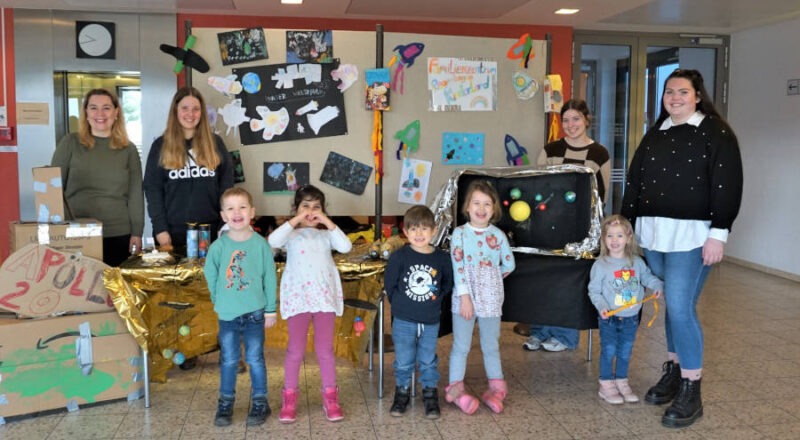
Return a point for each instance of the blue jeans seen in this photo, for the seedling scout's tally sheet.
(567, 336)
(616, 341)
(462, 341)
(250, 329)
(415, 343)
(684, 276)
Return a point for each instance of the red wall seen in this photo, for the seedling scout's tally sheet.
(9, 176)
(560, 50)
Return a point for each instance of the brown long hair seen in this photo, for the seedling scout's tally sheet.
(119, 136)
(204, 146)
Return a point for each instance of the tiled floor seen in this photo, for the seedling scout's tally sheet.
(751, 388)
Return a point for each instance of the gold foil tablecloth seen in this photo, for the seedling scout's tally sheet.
(155, 301)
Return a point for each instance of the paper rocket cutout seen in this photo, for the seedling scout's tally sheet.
(522, 50)
(228, 85)
(409, 139)
(516, 154)
(404, 56)
(186, 56)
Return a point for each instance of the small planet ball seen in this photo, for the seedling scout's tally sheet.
(541, 206)
(515, 193)
(251, 82)
(570, 196)
(505, 202)
(184, 330)
(538, 197)
(520, 211)
(167, 353)
(178, 358)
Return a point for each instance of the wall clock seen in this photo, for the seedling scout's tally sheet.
(95, 39)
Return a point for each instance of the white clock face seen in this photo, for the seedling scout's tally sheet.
(95, 40)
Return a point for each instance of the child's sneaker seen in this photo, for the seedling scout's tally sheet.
(532, 344)
(288, 412)
(224, 416)
(259, 410)
(330, 404)
(554, 344)
(625, 389)
(609, 392)
(401, 398)
(430, 399)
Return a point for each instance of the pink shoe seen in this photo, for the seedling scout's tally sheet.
(330, 404)
(493, 397)
(609, 392)
(289, 409)
(455, 393)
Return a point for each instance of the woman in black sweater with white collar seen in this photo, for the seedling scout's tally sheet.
(683, 192)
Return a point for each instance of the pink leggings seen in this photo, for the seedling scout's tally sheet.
(323, 345)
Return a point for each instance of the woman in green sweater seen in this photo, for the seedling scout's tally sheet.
(102, 175)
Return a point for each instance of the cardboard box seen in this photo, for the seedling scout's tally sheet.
(48, 282)
(41, 370)
(79, 235)
(48, 195)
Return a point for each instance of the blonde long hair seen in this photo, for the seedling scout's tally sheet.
(631, 247)
(204, 146)
(119, 136)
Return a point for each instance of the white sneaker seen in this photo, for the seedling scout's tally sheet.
(532, 344)
(553, 344)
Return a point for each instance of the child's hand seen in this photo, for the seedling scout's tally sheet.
(658, 294)
(297, 219)
(466, 309)
(604, 313)
(270, 321)
(325, 220)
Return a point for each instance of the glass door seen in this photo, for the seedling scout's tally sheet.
(621, 77)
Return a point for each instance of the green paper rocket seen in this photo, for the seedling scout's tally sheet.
(409, 139)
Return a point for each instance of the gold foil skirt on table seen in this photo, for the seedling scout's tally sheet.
(156, 301)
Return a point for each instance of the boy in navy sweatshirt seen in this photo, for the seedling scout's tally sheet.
(418, 277)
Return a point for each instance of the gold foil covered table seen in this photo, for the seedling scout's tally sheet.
(156, 301)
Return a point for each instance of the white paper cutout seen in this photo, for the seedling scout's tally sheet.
(228, 85)
(273, 123)
(347, 74)
(233, 115)
(322, 117)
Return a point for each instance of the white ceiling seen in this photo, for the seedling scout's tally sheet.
(694, 16)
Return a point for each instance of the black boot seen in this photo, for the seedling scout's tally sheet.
(224, 416)
(401, 398)
(667, 387)
(687, 406)
(259, 410)
(430, 399)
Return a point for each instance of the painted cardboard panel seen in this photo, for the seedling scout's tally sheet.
(38, 280)
(79, 235)
(40, 368)
(48, 195)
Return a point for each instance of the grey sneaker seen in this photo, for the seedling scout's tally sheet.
(554, 344)
(532, 344)
(259, 411)
(224, 415)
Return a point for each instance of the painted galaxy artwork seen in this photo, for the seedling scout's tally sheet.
(285, 177)
(309, 46)
(242, 46)
(345, 173)
(462, 148)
